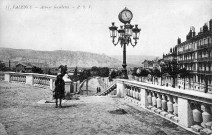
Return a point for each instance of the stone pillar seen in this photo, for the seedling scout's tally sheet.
(143, 100)
(7, 77)
(30, 79)
(121, 92)
(67, 86)
(184, 112)
(51, 85)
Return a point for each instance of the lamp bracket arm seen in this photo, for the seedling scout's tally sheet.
(116, 42)
(132, 43)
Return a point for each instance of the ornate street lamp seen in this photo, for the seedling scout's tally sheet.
(126, 35)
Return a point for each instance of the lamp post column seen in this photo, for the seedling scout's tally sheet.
(124, 70)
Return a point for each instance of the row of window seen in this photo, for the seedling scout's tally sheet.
(200, 67)
(191, 56)
(194, 45)
(199, 79)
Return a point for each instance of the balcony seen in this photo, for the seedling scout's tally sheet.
(204, 72)
(202, 46)
(204, 59)
(186, 61)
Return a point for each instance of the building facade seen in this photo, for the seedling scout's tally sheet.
(195, 54)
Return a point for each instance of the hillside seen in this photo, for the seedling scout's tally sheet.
(59, 57)
(135, 59)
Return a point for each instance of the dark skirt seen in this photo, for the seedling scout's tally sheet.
(59, 93)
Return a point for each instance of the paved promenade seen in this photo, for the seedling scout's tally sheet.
(20, 113)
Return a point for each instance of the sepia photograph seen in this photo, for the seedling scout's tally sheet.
(106, 67)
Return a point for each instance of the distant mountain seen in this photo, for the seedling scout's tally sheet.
(135, 60)
(59, 57)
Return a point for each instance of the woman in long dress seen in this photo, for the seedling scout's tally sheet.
(59, 89)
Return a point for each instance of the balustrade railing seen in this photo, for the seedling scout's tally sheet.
(41, 81)
(29, 78)
(18, 78)
(192, 110)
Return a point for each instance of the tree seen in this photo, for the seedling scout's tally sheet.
(95, 71)
(112, 74)
(104, 72)
(171, 67)
(2, 66)
(184, 73)
(84, 75)
(37, 70)
(155, 73)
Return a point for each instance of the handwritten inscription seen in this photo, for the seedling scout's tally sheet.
(30, 7)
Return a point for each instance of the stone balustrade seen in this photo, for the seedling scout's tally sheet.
(191, 110)
(18, 78)
(29, 78)
(41, 80)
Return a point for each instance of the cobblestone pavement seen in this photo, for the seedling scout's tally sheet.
(21, 114)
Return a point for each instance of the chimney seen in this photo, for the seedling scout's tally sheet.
(179, 41)
(205, 28)
(193, 31)
(210, 25)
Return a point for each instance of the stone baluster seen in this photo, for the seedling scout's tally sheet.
(175, 106)
(159, 102)
(21, 78)
(197, 117)
(46, 81)
(18, 78)
(206, 116)
(11, 77)
(139, 94)
(134, 92)
(154, 101)
(149, 98)
(128, 90)
(197, 114)
(164, 103)
(131, 92)
(35, 80)
(170, 104)
(40, 81)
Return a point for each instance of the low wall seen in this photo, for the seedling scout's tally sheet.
(39, 80)
(187, 108)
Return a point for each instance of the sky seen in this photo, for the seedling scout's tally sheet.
(82, 25)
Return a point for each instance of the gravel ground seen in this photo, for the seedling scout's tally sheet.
(21, 114)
